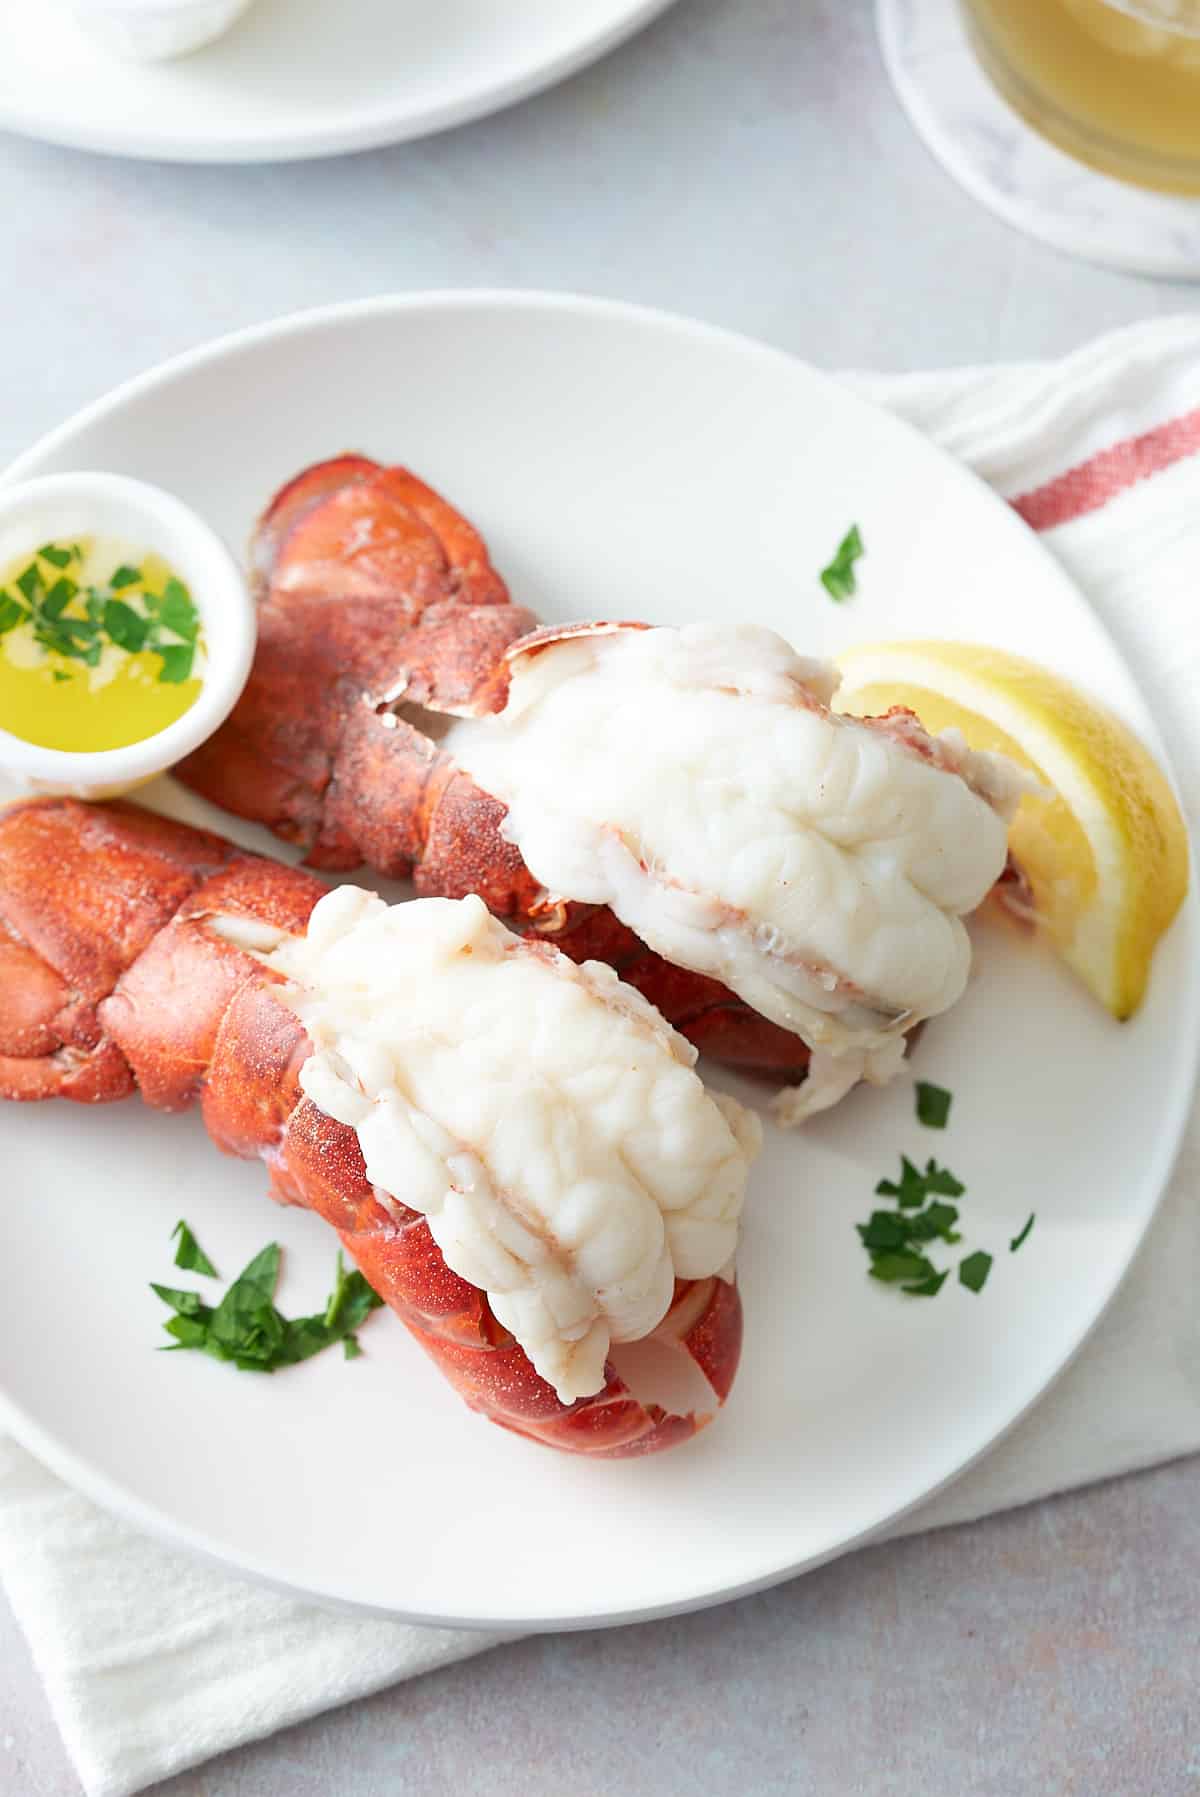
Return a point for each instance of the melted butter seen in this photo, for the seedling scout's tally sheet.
(99, 694)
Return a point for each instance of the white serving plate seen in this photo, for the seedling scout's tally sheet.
(626, 464)
(298, 78)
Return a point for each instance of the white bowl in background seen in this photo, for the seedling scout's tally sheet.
(294, 80)
(74, 505)
(155, 30)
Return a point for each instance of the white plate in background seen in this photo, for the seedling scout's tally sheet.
(298, 78)
(628, 464)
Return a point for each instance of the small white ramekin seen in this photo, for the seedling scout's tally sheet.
(65, 506)
(154, 30)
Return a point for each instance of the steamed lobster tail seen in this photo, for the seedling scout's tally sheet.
(127, 962)
(382, 620)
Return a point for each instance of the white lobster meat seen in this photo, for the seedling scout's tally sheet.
(541, 1115)
(697, 783)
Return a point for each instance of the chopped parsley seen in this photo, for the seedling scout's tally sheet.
(895, 1229)
(76, 623)
(914, 1187)
(898, 1267)
(896, 1240)
(973, 1271)
(838, 577)
(936, 1221)
(30, 581)
(1024, 1235)
(126, 627)
(928, 1287)
(177, 659)
(58, 597)
(189, 1254)
(246, 1328)
(933, 1105)
(176, 611)
(906, 1267)
(885, 1229)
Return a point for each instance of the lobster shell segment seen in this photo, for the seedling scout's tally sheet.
(374, 594)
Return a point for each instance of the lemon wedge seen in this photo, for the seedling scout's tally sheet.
(1104, 848)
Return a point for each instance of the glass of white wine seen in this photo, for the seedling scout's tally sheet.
(1114, 82)
(1000, 89)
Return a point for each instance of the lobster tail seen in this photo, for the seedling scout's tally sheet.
(131, 950)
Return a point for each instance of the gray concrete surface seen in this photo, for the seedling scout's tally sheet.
(743, 161)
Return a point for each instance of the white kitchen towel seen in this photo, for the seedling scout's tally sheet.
(154, 1661)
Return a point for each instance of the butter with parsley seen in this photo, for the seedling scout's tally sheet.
(100, 646)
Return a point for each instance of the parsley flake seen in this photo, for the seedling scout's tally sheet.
(885, 1229)
(940, 1179)
(126, 627)
(189, 1254)
(177, 612)
(933, 1105)
(1024, 1235)
(910, 1191)
(11, 612)
(914, 1187)
(59, 597)
(893, 1266)
(928, 1288)
(177, 659)
(838, 577)
(935, 1222)
(189, 1332)
(30, 581)
(974, 1270)
(184, 1304)
(898, 1229)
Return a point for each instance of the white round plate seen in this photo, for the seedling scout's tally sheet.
(297, 78)
(1012, 170)
(621, 463)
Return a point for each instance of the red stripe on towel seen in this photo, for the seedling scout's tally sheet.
(1112, 471)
